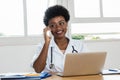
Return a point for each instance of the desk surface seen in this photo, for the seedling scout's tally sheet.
(92, 77)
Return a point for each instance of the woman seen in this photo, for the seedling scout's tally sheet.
(51, 53)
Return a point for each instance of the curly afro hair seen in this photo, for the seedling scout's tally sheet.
(54, 11)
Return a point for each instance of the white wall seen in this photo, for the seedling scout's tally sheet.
(18, 58)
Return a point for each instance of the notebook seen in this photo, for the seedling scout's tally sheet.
(87, 63)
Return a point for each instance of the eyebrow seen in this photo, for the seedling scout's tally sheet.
(57, 22)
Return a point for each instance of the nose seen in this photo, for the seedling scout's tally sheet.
(58, 26)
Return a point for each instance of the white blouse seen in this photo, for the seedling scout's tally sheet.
(58, 57)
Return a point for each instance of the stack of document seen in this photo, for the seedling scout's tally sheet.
(24, 76)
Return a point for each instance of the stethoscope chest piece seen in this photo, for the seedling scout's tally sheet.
(51, 66)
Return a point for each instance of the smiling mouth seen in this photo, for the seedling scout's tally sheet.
(59, 32)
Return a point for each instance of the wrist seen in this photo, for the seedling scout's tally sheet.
(47, 42)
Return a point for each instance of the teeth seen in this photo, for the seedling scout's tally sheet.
(59, 32)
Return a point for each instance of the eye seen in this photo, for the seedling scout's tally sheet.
(61, 23)
(52, 25)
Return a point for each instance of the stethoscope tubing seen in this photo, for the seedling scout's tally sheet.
(74, 51)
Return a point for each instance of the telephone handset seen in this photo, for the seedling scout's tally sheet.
(49, 33)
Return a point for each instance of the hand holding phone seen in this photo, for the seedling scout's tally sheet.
(47, 34)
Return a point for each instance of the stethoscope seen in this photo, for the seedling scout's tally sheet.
(51, 66)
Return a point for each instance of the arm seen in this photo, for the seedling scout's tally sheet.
(40, 62)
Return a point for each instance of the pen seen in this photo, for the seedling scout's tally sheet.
(114, 70)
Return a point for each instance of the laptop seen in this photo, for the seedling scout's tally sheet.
(86, 63)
